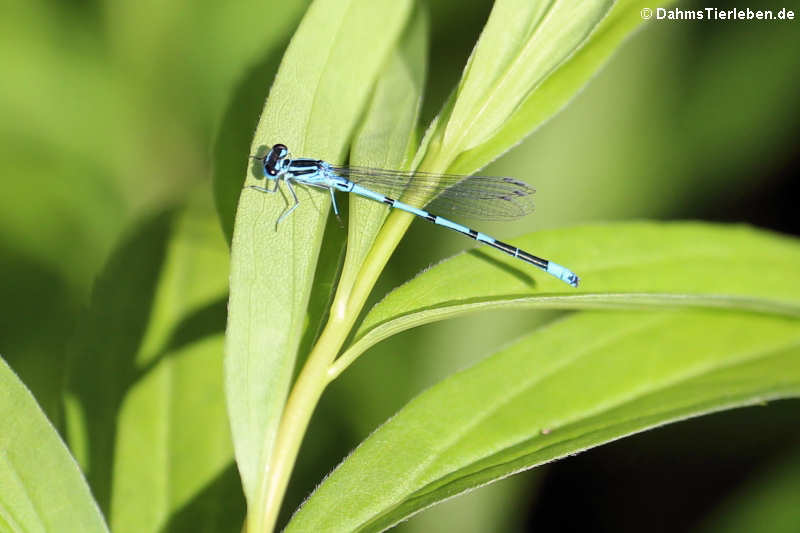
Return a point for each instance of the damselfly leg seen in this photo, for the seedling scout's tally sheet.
(291, 209)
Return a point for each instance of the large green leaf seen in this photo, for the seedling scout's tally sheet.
(172, 428)
(523, 42)
(521, 45)
(146, 414)
(172, 443)
(576, 383)
(320, 91)
(42, 487)
(641, 265)
(561, 84)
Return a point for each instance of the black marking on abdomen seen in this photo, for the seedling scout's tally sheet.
(473, 234)
(507, 248)
(388, 201)
(516, 252)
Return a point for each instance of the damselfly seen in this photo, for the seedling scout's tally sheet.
(484, 197)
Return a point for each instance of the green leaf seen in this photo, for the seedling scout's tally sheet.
(102, 355)
(522, 43)
(246, 100)
(41, 486)
(146, 413)
(387, 138)
(560, 85)
(574, 384)
(172, 442)
(630, 265)
(319, 93)
(323, 290)
(521, 47)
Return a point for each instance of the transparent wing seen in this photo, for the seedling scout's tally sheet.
(479, 197)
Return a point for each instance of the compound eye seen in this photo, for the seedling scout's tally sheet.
(271, 162)
(281, 150)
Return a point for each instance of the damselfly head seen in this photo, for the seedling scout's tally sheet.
(273, 161)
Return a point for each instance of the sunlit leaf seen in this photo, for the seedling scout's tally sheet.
(574, 384)
(42, 486)
(146, 415)
(627, 265)
(560, 85)
(521, 45)
(318, 95)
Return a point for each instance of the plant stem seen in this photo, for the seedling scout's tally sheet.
(314, 378)
(296, 416)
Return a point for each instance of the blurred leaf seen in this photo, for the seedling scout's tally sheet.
(628, 265)
(102, 356)
(35, 329)
(146, 413)
(387, 138)
(218, 508)
(767, 503)
(172, 442)
(121, 140)
(577, 383)
(211, 45)
(319, 93)
(41, 486)
(718, 142)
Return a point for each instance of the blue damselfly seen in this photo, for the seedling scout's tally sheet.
(484, 197)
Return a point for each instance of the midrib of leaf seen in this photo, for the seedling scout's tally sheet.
(704, 251)
(375, 333)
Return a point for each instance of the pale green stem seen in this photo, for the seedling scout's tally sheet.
(314, 378)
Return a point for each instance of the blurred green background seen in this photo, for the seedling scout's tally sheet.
(115, 112)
